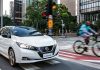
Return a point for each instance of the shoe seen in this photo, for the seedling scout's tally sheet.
(86, 48)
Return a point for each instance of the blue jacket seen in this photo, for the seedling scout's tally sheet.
(84, 29)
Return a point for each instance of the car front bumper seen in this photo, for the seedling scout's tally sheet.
(30, 56)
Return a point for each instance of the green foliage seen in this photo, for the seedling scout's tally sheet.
(34, 17)
(62, 13)
(33, 13)
(97, 24)
(6, 21)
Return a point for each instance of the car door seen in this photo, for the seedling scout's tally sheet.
(5, 40)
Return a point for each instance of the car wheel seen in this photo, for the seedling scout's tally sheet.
(12, 59)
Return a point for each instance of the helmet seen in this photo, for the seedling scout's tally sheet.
(88, 23)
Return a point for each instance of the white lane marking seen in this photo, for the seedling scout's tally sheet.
(62, 58)
(65, 47)
(69, 56)
(69, 53)
(52, 62)
(97, 61)
(29, 67)
(93, 65)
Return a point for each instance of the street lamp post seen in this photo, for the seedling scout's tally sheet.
(62, 27)
(1, 13)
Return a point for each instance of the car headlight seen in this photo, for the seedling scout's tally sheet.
(25, 46)
(55, 45)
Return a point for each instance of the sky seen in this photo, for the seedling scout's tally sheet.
(6, 6)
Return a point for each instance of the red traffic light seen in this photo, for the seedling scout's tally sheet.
(44, 14)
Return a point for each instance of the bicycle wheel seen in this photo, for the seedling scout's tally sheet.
(96, 48)
(78, 47)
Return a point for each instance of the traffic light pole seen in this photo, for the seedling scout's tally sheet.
(50, 18)
(50, 7)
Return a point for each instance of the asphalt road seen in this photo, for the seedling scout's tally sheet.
(59, 65)
(4, 64)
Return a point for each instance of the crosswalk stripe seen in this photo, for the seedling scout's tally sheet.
(67, 56)
(29, 67)
(52, 62)
(97, 61)
(69, 53)
(93, 65)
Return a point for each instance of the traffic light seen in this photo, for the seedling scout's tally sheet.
(44, 15)
(45, 12)
(54, 6)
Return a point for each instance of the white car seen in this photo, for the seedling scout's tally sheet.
(21, 44)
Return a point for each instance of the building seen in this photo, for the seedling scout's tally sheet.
(18, 12)
(71, 5)
(89, 10)
(12, 10)
(28, 2)
(25, 4)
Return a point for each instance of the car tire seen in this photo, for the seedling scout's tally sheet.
(12, 59)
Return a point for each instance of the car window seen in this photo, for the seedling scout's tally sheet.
(25, 31)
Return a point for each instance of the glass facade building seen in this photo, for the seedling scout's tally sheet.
(18, 12)
(28, 2)
(89, 10)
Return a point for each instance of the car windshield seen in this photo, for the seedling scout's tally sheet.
(25, 31)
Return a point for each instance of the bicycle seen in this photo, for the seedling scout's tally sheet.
(80, 46)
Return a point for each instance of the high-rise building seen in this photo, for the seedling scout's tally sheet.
(89, 10)
(12, 10)
(25, 4)
(18, 11)
(71, 5)
(28, 2)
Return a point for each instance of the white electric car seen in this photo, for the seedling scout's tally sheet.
(21, 44)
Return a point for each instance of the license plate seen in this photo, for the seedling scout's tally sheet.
(47, 55)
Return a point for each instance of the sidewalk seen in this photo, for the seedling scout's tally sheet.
(68, 35)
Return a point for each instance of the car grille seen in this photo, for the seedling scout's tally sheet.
(46, 49)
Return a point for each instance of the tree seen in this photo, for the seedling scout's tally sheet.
(33, 13)
(6, 21)
(34, 16)
(62, 13)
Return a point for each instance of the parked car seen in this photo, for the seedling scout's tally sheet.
(21, 44)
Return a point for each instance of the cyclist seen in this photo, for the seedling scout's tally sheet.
(86, 31)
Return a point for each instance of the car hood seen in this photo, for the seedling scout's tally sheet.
(38, 41)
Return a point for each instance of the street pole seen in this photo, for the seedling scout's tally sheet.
(50, 18)
(1, 13)
(62, 27)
